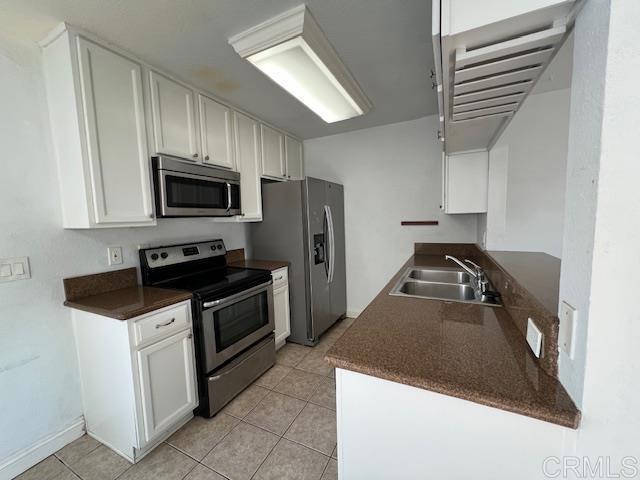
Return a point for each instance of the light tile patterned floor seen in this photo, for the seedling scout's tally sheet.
(283, 427)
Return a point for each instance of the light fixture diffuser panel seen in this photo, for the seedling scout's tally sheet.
(292, 50)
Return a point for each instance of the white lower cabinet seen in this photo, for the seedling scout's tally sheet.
(166, 374)
(136, 389)
(281, 309)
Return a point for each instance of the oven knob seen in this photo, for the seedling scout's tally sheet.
(213, 247)
(164, 254)
(219, 247)
(154, 256)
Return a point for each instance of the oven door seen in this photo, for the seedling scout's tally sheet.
(231, 324)
(181, 194)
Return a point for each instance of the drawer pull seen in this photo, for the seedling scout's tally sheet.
(280, 277)
(158, 325)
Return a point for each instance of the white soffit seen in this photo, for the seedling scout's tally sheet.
(292, 50)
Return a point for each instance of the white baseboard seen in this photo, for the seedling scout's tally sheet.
(353, 313)
(27, 457)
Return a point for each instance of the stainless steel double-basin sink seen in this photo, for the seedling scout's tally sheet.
(440, 284)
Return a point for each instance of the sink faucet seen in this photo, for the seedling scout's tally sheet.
(477, 273)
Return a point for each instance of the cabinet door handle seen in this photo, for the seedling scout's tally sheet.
(190, 335)
(206, 157)
(160, 325)
(279, 278)
(195, 155)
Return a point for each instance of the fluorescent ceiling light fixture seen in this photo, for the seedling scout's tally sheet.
(292, 50)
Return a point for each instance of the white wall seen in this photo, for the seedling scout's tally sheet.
(38, 371)
(527, 177)
(390, 173)
(611, 393)
(581, 199)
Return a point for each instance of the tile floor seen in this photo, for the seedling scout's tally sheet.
(280, 428)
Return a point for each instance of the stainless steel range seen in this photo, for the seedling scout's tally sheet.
(233, 315)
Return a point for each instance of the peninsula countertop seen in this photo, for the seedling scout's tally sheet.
(473, 352)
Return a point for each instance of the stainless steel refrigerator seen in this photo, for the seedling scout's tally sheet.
(303, 223)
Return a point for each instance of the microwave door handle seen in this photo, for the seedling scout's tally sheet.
(228, 196)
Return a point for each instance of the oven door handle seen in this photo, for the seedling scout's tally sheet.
(237, 296)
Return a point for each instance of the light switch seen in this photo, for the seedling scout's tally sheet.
(568, 320)
(16, 268)
(534, 338)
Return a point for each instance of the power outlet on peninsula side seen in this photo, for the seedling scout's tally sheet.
(534, 338)
(568, 319)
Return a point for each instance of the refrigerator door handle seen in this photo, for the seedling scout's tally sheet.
(333, 243)
(325, 233)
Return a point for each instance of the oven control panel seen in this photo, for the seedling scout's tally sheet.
(174, 254)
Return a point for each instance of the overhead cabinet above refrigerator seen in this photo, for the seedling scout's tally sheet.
(487, 60)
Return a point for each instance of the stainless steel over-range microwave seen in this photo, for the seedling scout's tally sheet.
(184, 189)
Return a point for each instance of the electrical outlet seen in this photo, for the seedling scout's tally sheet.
(534, 338)
(566, 336)
(114, 255)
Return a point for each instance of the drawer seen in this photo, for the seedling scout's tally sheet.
(280, 277)
(160, 324)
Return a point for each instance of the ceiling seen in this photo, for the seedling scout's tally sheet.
(385, 44)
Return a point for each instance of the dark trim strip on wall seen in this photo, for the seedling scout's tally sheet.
(407, 223)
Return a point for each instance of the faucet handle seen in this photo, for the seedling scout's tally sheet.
(478, 267)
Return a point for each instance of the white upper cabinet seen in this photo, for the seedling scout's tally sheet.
(293, 155)
(109, 113)
(272, 153)
(174, 120)
(488, 60)
(216, 131)
(97, 114)
(248, 156)
(465, 182)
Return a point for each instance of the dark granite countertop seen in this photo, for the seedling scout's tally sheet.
(116, 294)
(538, 272)
(129, 302)
(473, 352)
(260, 264)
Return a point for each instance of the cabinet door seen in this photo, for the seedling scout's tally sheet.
(216, 131)
(174, 122)
(116, 136)
(247, 132)
(272, 153)
(281, 314)
(293, 153)
(167, 383)
(466, 177)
